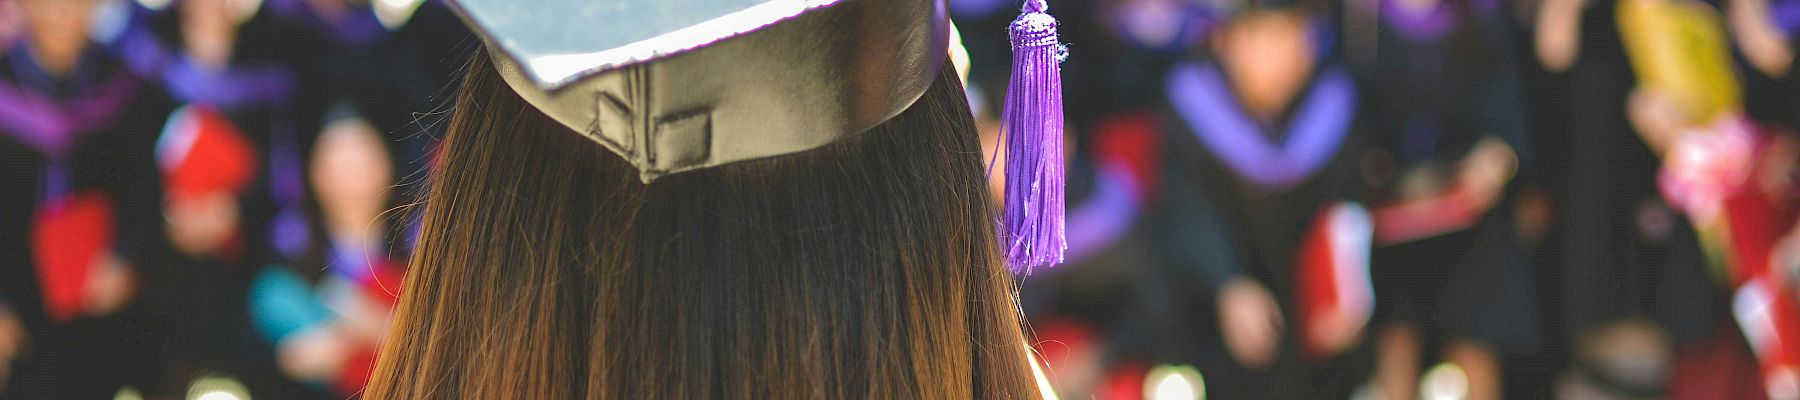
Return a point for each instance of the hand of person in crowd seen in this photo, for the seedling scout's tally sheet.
(1251, 322)
(12, 343)
(111, 286)
(1763, 44)
(1486, 170)
(1335, 332)
(316, 355)
(1558, 39)
(1657, 117)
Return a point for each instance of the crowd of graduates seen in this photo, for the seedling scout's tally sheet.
(210, 193)
(1280, 199)
(1441, 199)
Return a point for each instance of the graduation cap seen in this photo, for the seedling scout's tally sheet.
(680, 85)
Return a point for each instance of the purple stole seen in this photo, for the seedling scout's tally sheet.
(1202, 98)
(51, 125)
(231, 88)
(1787, 16)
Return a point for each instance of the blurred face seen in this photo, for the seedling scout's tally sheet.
(351, 173)
(209, 30)
(58, 31)
(1269, 56)
(200, 224)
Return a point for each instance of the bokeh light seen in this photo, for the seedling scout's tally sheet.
(1174, 382)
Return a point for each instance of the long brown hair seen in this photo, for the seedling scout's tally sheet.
(865, 269)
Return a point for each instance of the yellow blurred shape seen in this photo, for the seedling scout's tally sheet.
(1678, 48)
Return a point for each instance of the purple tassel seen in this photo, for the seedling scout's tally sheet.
(1033, 127)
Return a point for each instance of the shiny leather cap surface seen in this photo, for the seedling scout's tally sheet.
(684, 97)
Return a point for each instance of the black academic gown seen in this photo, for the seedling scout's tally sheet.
(1212, 223)
(1627, 253)
(1431, 95)
(88, 357)
(271, 90)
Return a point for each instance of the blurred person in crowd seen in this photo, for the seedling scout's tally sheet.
(207, 166)
(1443, 113)
(257, 68)
(1727, 173)
(719, 221)
(1643, 316)
(1255, 182)
(1764, 33)
(397, 59)
(240, 67)
(326, 321)
(78, 212)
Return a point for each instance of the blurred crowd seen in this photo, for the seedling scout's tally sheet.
(1438, 199)
(1371, 199)
(207, 197)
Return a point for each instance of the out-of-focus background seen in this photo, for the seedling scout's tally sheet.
(1307, 199)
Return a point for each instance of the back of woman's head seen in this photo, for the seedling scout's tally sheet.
(863, 269)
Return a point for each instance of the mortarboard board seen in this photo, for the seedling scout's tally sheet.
(680, 85)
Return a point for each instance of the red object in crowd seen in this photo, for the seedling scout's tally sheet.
(1770, 322)
(70, 236)
(384, 283)
(1058, 339)
(383, 288)
(1454, 209)
(1756, 219)
(1333, 278)
(1133, 139)
(1716, 367)
(201, 151)
(356, 371)
(1125, 382)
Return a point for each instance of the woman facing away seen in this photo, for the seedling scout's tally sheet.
(765, 215)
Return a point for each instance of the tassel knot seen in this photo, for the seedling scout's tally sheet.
(1032, 230)
(1033, 29)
